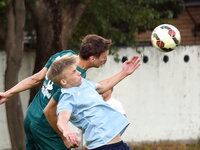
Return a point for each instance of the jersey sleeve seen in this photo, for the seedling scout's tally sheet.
(57, 95)
(66, 102)
(49, 62)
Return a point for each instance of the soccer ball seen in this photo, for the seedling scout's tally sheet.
(165, 37)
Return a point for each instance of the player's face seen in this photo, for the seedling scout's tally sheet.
(101, 60)
(72, 76)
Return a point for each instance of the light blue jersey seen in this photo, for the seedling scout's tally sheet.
(99, 122)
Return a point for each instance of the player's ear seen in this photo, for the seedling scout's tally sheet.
(92, 58)
(63, 82)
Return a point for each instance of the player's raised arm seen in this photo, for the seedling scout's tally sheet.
(23, 85)
(128, 68)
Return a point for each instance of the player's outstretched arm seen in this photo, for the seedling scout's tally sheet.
(71, 137)
(23, 85)
(128, 68)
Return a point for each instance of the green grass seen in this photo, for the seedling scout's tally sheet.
(167, 145)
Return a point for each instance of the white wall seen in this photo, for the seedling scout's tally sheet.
(25, 71)
(4, 141)
(162, 100)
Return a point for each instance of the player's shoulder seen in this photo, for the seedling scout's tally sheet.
(64, 52)
(86, 82)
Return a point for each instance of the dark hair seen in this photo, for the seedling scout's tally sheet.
(93, 45)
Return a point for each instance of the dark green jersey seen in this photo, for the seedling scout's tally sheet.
(35, 118)
(47, 91)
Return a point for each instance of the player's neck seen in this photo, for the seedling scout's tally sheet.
(83, 64)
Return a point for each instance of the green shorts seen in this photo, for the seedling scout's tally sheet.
(40, 136)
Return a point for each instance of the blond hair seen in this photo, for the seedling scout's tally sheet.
(55, 72)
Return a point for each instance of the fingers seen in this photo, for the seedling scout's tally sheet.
(131, 65)
(71, 140)
(1, 98)
(133, 60)
(137, 64)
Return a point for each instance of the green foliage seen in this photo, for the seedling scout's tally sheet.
(166, 145)
(118, 20)
(121, 19)
(2, 4)
(2, 22)
(2, 13)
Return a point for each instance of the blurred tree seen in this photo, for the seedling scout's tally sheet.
(120, 19)
(55, 25)
(2, 24)
(60, 24)
(14, 45)
(55, 21)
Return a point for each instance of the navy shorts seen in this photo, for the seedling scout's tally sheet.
(116, 146)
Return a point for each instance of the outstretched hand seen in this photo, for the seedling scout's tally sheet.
(3, 97)
(131, 65)
(71, 139)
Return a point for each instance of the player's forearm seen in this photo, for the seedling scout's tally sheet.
(27, 83)
(128, 68)
(62, 126)
(70, 138)
(22, 86)
(63, 119)
(108, 83)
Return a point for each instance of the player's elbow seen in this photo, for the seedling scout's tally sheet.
(36, 79)
(39, 76)
(46, 112)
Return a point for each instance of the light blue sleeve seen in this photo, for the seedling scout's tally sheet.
(91, 83)
(66, 102)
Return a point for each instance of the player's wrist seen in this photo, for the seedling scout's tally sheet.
(8, 94)
(124, 74)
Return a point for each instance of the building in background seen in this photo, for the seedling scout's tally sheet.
(188, 24)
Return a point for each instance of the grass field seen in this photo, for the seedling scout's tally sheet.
(164, 145)
(167, 145)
